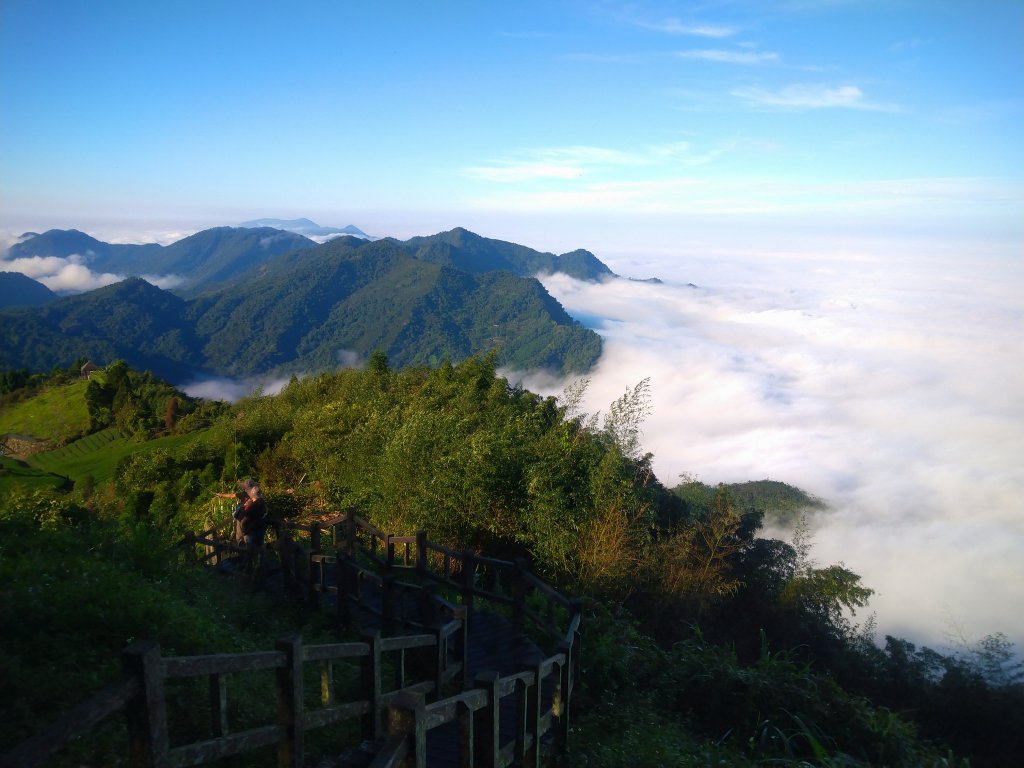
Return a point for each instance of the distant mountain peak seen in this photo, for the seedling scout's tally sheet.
(306, 227)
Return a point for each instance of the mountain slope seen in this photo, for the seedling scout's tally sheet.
(132, 320)
(470, 252)
(18, 290)
(313, 309)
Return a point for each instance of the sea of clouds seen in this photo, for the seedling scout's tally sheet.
(885, 379)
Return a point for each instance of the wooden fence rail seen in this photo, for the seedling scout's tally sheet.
(140, 695)
(398, 715)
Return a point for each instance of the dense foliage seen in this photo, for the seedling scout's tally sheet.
(703, 642)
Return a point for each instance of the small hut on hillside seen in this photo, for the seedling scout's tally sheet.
(87, 369)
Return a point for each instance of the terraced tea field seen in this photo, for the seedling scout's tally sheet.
(98, 454)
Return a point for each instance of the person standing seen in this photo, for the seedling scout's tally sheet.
(250, 514)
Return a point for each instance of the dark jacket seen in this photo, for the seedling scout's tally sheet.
(254, 515)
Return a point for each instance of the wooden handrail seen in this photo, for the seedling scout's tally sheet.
(466, 574)
(143, 689)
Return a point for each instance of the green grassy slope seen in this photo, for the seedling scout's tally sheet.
(98, 454)
(55, 413)
(14, 474)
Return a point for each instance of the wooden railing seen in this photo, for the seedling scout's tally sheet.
(140, 695)
(443, 584)
(464, 575)
(364, 553)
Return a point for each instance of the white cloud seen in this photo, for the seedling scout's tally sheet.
(230, 390)
(71, 274)
(730, 57)
(811, 97)
(165, 282)
(886, 381)
(575, 162)
(674, 26)
(61, 275)
(525, 172)
(670, 185)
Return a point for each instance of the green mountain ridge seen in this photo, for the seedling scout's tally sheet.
(470, 252)
(304, 310)
(18, 290)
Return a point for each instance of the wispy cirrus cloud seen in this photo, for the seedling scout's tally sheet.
(812, 96)
(673, 26)
(685, 193)
(730, 57)
(575, 162)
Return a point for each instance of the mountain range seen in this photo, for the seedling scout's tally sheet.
(262, 300)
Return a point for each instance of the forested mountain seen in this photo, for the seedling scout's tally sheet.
(307, 310)
(131, 320)
(18, 290)
(213, 256)
(470, 252)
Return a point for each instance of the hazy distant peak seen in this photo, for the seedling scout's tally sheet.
(306, 227)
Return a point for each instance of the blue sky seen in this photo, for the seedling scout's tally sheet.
(411, 117)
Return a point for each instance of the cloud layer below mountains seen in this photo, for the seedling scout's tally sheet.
(885, 381)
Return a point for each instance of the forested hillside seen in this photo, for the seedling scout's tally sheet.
(703, 642)
(309, 308)
(18, 290)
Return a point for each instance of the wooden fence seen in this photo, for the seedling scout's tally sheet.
(436, 694)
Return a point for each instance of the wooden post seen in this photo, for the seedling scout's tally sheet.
(467, 738)
(486, 729)
(531, 756)
(290, 751)
(373, 725)
(440, 660)
(146, 714)
(563, 693)
(218, 705)
(314, 538)
(407, 717)
(463, 618)
(342, 580)
(519, 595)
(421, 553)
(468, 579)
(387, 607)
(350, 533)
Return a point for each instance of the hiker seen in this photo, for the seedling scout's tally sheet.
(250, 514)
